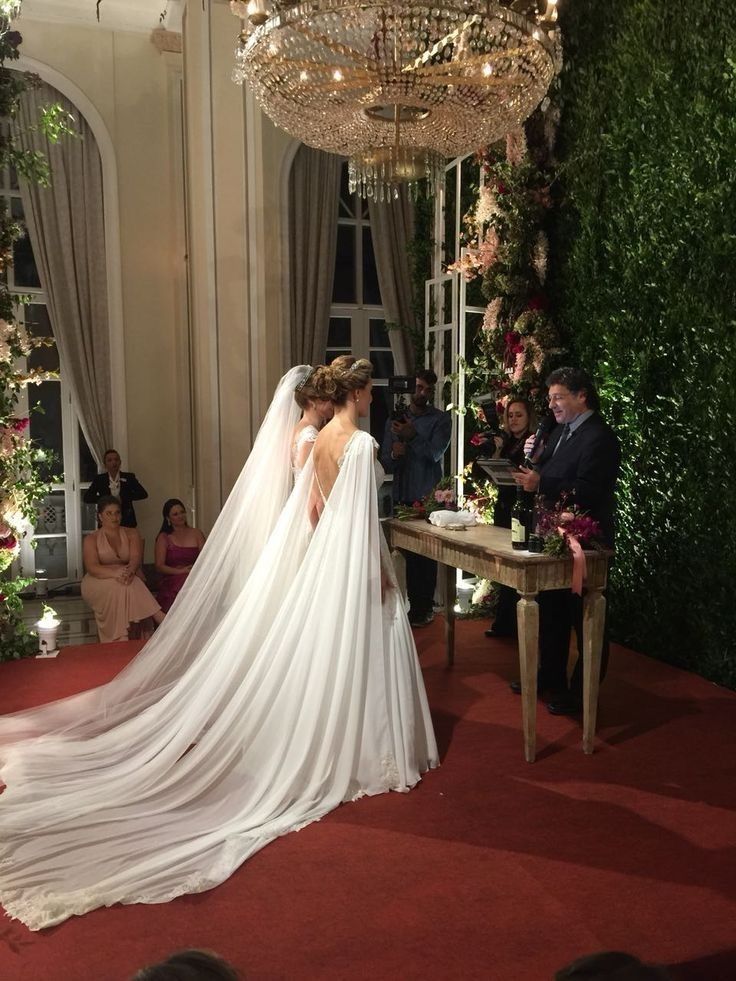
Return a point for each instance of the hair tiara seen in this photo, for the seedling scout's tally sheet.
(354, 365)
(305, 379)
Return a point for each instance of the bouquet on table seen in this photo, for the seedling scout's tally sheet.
(565, 528)
(564, 525)
(440, 498)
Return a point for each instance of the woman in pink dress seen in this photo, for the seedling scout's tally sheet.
(177, 547)
(111, 586)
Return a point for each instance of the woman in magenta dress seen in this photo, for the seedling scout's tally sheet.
(177, 547)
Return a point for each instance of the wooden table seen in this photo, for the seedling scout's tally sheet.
(486, 551)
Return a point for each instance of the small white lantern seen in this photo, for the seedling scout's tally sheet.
(46, 629)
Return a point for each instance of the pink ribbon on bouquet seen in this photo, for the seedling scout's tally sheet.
(579, 567)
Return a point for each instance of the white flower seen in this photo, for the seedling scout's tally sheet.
(487, 205)
(539, 256)
(481, 592)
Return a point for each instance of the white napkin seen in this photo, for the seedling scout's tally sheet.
(443, 518)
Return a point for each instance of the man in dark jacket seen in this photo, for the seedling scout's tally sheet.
(412, 450)
(117, 483)
(580, 464)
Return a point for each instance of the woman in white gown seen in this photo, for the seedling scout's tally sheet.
(305, 693)
(315, 413)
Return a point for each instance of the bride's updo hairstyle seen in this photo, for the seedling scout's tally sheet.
(305, 392)
(336, 381)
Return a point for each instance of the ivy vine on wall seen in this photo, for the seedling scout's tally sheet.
(644, 248)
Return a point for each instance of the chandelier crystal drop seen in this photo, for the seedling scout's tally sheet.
(397, 88)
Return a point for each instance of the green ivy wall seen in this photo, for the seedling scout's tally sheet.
(645, 292)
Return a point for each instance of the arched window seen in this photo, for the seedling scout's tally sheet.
(357, 321)
(55, 555)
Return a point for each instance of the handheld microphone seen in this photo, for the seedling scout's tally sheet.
(545, 427)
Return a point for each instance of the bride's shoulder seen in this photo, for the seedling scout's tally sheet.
(359, 441)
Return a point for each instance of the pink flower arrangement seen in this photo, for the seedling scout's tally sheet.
(562, 524)
(445, 496)
(488, 251)
(477, 439)
(441, 497)
(490, 317)
(468, 266)
(516, 147)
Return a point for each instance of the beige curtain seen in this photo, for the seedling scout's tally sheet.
(314, 189)
(392, 228)
(67, 232)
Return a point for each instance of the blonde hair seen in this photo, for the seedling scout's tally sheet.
(346, 374)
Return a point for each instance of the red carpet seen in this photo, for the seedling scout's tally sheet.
(492, 868)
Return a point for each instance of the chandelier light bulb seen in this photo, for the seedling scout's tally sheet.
(487, 70)
(257, 13)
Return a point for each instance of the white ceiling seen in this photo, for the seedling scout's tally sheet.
(118, 15)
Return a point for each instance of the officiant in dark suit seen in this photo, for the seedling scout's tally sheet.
(579, 464)
(115, 482)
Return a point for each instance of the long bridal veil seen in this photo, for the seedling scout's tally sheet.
(214, 584)
(308, 693)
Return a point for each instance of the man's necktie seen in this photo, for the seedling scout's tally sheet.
(565, 435)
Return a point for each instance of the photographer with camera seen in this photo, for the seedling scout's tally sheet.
(414, 443)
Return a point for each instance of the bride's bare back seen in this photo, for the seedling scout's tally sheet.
(328, 450)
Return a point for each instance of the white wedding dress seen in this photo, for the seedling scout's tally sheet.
(305, 692)
(305, 436)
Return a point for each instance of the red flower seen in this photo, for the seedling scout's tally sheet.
(537, 302)
(8, 542)
(476, 439)
(19, 424)
(501, 188)
(419, 505)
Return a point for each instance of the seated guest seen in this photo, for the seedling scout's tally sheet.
(177, 547)
(112, 556)
(118, 483)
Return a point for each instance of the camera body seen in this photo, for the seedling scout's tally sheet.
(401, 387)
(487, 405)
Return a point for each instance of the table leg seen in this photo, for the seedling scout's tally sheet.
(450, 573)
(527, 616)
(594, 610)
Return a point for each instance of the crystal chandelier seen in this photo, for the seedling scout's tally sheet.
(397, 87)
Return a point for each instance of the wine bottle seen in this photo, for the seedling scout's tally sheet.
(520, 521)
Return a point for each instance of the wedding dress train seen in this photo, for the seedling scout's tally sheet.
(212, 587)
(305, 694)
